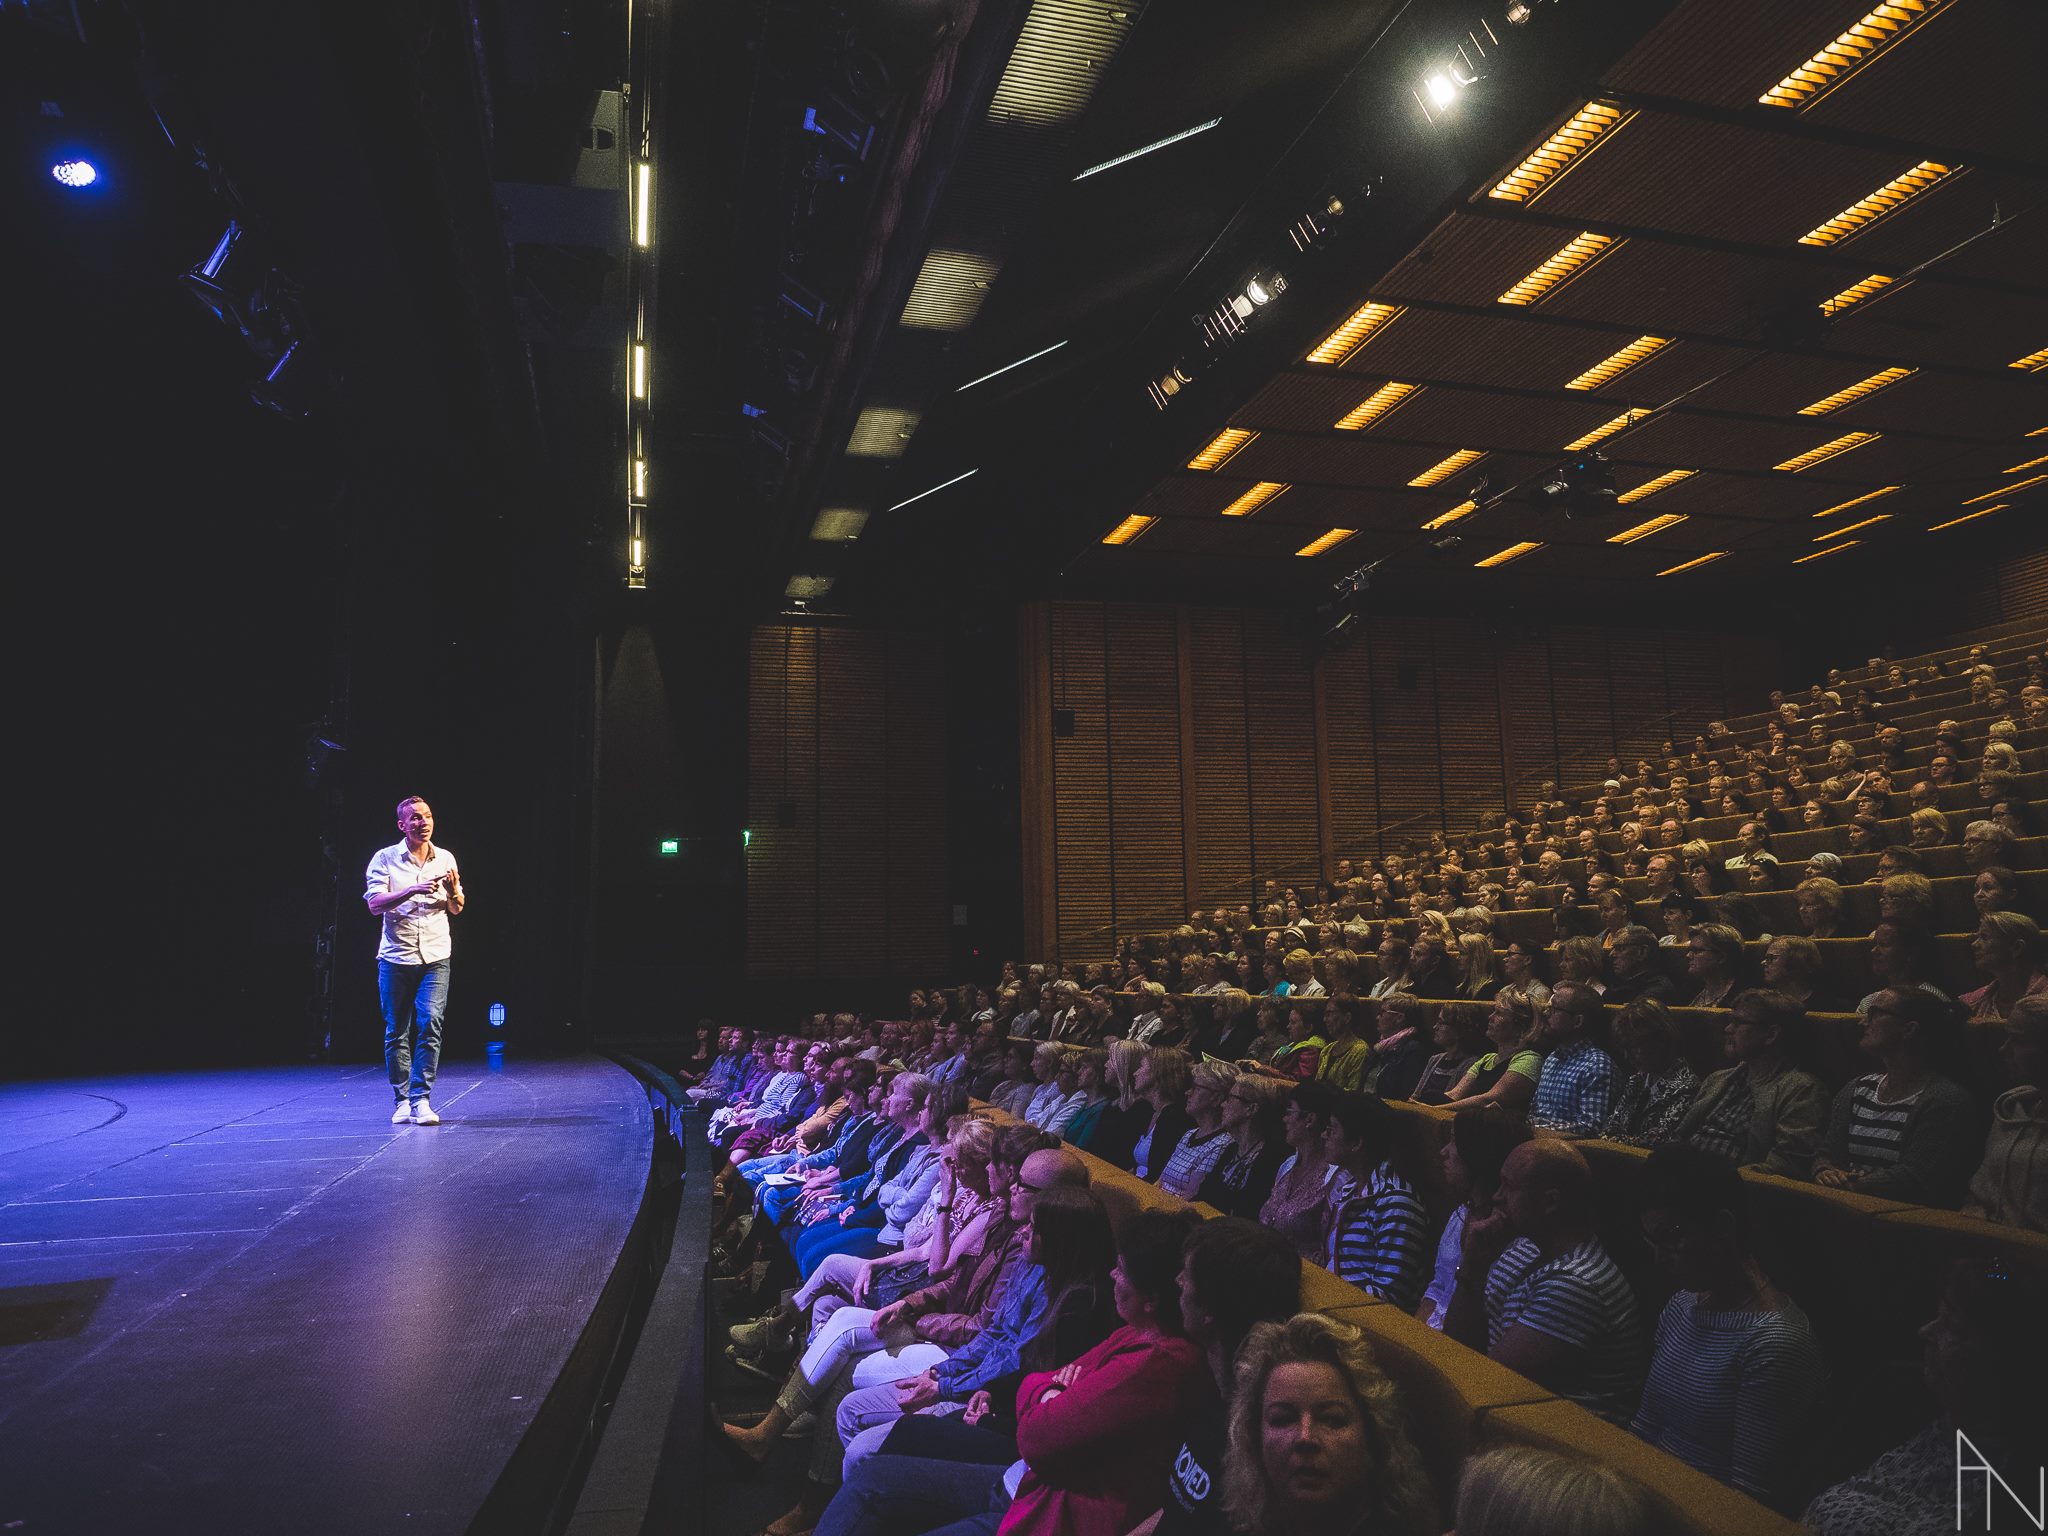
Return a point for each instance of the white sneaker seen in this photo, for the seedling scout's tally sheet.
(403, 1114)
(423, 1113)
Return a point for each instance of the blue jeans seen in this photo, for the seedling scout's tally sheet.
(888, 1495)
(415, 1000)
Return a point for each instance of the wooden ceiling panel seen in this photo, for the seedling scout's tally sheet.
(1470, 418)
(1659, 286)
(1726, 53)
(1941, 219)
(2016, 255)
(1470, 259)
(1972, 405)
(1941, 323)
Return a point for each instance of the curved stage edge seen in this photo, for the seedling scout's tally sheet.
(244, 1301)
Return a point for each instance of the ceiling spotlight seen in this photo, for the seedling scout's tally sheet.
(1266, 288)
(75, 173)
(1519, 11)
(1440, 89)
(1580, 487)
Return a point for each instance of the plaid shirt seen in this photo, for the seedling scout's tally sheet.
(1576, 1091)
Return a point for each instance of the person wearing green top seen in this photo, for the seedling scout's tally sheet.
(1345, 1054)
(1303, 1054)
(1507, 1074)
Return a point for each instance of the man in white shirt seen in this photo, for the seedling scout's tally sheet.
(415, 888)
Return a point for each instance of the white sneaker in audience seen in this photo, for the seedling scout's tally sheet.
(423, 1113)
(403, 1114)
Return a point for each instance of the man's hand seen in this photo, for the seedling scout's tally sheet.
(892, 1316)
(1488, 1238)
(1834, 1178)
(918, 1392)
(863, 1281)
(979, 1407)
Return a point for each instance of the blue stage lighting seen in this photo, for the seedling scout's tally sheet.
(75, 173)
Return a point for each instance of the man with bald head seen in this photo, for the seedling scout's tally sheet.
(1538, 1292)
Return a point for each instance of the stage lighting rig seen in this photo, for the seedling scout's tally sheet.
(1581, 487)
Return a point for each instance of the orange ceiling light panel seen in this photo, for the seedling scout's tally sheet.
(1880, 27)
(1695, 563)
(1848, 442)
(1221, 449)
(1642, 531)
(1445, 519)
(1843, 506)
(1836, 533)
(1605, 430)
(1650, 488)
(1592, 125)
(1610, 368)
(1970, 517)
(1443, 469)
(1327, 542)
(1579, 253)
(1832, 549)
(1255, 498)
(1374, 406)
(2014, 469)
(1862, 389)
(1365, 323)
(1503, 556)
(1129, 529)
(1855, 293)
(2033, 362)
(2007, 490)
(1887, 199)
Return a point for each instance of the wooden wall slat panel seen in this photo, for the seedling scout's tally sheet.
(1221, 772)
(1354, 768)
(1635, 660)
(916, 889)
(1286, 837)
(782, 862)
(1526, 705)
(2023, 586)
(1692, 668)
(1581, 699)
(1081, 782)
(1468, 725)
(852, 837)
(1405, 716)
(1142, 681)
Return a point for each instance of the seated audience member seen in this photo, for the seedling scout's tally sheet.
(1479, 975)
(1345, 1053)
(1582, 962)
(724, 1074)
(1900, 957)
(1394, 960)
(1538, 1292)
(1298, 970)
(1576, 1091)
(1660, 1086)
(1907, 897)
(1521, 1491)
(1431, 973)
(1379, 1232)
(1713, 964)
(1680, 909)
(2011, 1185)
(1046, 1061)
(1792, 965)
(1243, 1176)
(1401, 1049)
(1926, 828)
(1908, 1131)
(861, 1203)
(1113, 1128)
(1459, 1035)
(1996, 889)
(1764, 1112)
(1299, 1206)
(1982, 1355)
(1508, 1073)
(1735, 1378)
(1150, 1025)
(1471, 1160)
(1162, 1083)
(1633, 968)
(2007, 948)
(1080, 1079)
(1202, 1145)
(1986, 843)
(1302, 1055)
(1013, 1094)
(1318, 1442)
(1523, 967)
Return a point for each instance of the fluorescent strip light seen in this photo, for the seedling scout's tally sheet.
(1855, 293)
(1650, 488)
(1877, 31)
(637, 557)
(1832, 549)
(2007, 490)
(643, 205)
(1606, 370)
(2014, 469)
(1443, 469)
(1889, 198)
(1034, 357)
(1129, 529)
(1221, 447)
(920, 496)
(1848, 442)
(1695, 563)
(1365, 323)
(1588, 127)
(839, 525)
(1502, 557)
(1445, 519)
(1578, 254)
(1374, 406)
(950, 289)
(1970, 516)
(639, 370)
(1129, 155)
(2033, 362)
(1606, 430)
(1857, 391)
(1843, 506)
(1255, 498)
(1328, 541)
(1836, 533)
(639, 479)
(1642, 531)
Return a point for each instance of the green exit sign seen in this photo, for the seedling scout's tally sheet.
(671, 846)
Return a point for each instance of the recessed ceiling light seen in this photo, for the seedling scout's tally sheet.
(1605, 430)
(1887, 199)
(1589, 126)
(1610, 368)
(839, 525)
(1579, 253)
(1969, 517)
(1696, 562)
(1848, 442)
(1843, 506)
(1445, 519)
(1444, 468)
(1861, 389)
(1836, 533)
(2033, 362)
(1879, 28)
(1221, 447)
(1365, 323)
(1255, 498)
(1642, 531)
(1328, 541)
(1650, 488)
(2007, 490)
(808, 586)
(1129, 529)
(1855, 293)
(1502, 557)
(1832, 549)
(1374, 406)
(2030, 464)
(950, 289)
(882, 432)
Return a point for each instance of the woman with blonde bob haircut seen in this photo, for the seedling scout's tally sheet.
(1318, 1442)
(1520, 1491)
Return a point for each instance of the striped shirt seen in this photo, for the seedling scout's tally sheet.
(1582, 1300)
(1379, 1239)
(1734, 1394)
(1192, 1160)
(1576, 1091)
(1876, 1128)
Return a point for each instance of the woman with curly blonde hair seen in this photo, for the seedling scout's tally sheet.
(1318, 1443)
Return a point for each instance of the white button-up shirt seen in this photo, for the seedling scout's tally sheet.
(416, 930)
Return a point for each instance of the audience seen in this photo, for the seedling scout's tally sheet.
(1764, 1112)
(1299, 1206)
(1660, 1087)
(1576, 1089)
(1242, 1178)
(1378, 1230)
(1202, 1145)
(1908, 1131)
(2011, 1184)
(1522, 1491)
(1471, 1161)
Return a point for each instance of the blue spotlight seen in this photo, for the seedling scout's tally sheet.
(75, 173)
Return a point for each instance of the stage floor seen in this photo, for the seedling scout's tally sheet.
(246, 1302)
